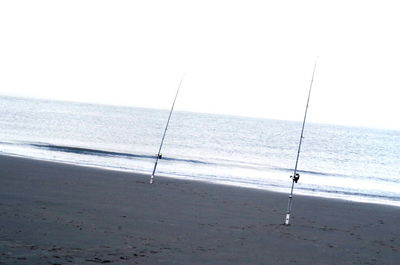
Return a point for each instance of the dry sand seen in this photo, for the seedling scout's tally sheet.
(54, 213)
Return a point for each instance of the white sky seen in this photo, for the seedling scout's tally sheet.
(250, 58)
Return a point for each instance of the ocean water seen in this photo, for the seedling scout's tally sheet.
(350, 163)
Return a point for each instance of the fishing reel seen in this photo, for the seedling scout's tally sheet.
(296, 177)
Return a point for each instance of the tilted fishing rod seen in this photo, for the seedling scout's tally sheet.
(296, 175)
(165, 132)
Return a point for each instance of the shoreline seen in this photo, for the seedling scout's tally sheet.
(55, 213)
(298, 192)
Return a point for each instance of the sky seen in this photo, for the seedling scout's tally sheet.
(248, 58)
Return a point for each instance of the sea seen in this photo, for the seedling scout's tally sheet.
(350, 163)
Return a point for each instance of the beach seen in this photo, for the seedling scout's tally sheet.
(53, 213)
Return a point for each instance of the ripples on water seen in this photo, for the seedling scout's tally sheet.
(336, 161)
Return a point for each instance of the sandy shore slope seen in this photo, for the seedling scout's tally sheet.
(54, 213)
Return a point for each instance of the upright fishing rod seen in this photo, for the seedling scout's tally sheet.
(165, 132)
(296, 175)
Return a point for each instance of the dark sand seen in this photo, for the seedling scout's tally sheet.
(61, 214)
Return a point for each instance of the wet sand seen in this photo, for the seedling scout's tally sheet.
(53, 213)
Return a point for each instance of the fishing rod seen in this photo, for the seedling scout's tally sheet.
(296, 176)
(165, 132)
